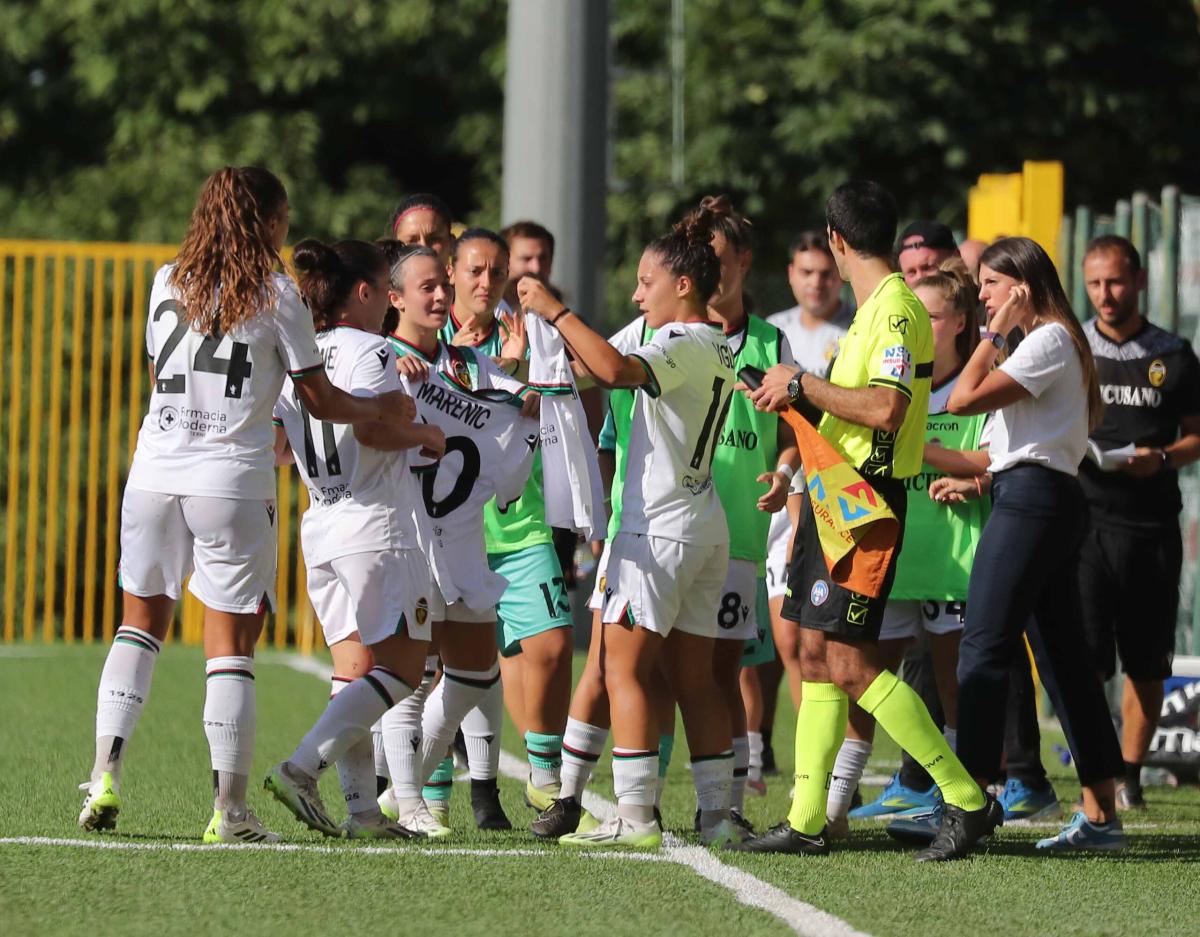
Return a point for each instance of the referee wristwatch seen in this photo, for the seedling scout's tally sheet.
(795, 391)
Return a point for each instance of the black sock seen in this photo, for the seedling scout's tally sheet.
(1133, 775)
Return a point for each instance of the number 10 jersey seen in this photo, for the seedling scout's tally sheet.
(208, 429)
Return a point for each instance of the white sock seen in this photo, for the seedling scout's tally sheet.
(124, 689)
(713, 778)
(848, 770)
(582, 746)
(348, 719)
(229, 723)
(402, 741)
(951, 737)
(741, 765)
(379, 754)
(458, 693)
(755, 741)
(635, 777)
(481, 729)
(356, 767)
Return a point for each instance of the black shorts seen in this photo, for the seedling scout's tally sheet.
(816, 601)
(1129, 590)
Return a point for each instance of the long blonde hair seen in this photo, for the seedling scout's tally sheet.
(223, 271)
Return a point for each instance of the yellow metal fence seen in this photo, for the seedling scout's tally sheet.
(75, 388)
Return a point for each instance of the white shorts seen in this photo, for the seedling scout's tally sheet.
(779, 549)
(459, 611)
(663, 584)
(904, 618)
(228, 545)
(737, 613)
(596, 599)
(375, 594)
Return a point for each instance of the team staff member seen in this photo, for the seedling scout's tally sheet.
(1131, 558)
(875, 405)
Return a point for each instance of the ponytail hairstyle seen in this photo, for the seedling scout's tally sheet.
(328, 275)
(716, 214)
(953, 281)
(1024, 260)
(223, 271)
(687, 252)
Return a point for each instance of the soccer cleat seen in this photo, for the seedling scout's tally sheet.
(485, 803)
(617, 832)
(725, 834)
(248, 829)
(421, 821)
(388, 806)
(784, 839)
(564, 815)
(101, 805)
(895, 798)
(739, 820)
(1022, 802)
(837, 828)
(353, 827)
(298, 792)
(440, 811)
(539, 798)
(1130, 799)
(1082, 833)
(916, 827)
(961, 829)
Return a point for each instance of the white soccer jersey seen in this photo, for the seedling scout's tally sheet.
(814, 349)
(489, 453)
(361, 500)
(208, 430)
(668, 490)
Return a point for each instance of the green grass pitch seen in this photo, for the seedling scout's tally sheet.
(508, 883)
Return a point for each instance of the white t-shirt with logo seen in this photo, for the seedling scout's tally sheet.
(208, 429)
(361, 500)
(677, 419)
(814, 349)
(1050, 427)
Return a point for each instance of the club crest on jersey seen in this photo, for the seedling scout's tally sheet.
(422, 610)
(168, 418)
(819, 592)
(1158, 372)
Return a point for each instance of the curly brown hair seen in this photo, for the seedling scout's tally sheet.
(223, 271)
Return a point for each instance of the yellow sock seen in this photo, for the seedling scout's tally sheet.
(902, 715)
(820, 728)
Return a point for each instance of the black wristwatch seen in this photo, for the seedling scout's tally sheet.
(795, 391)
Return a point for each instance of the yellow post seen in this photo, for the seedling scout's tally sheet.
(116, 374)
(74, 429)
(54, 460)
(15, 404)
(33, 500)
(95, 389)
(1042, 204)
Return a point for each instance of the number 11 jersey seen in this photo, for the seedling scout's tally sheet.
(208, 429)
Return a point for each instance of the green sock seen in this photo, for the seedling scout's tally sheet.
(666, 744)
(441, 782)
(545, 758)
(902, 715)
(820, 729)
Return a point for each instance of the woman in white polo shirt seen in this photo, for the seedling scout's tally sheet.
(1046, 397)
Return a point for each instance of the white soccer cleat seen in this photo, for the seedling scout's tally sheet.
(354, 827)
(440, 809)
(101, 805)
(422, 821)
(617, 832)
(247, 829)
(298, 792)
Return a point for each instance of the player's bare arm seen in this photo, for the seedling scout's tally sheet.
(389, 438)
(876, 407)
(333, 405)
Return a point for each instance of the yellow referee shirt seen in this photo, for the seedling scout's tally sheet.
(890, 344)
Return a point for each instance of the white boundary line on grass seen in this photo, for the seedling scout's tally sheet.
(801, 917)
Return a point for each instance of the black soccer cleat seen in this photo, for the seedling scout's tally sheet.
(961, 829)
(485, 803)
(559, 819)
(783, 839)
(739, 820)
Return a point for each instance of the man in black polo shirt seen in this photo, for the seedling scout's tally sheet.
(1130, 563)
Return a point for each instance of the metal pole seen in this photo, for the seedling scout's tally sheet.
(1083, 234)
(1066, 255)
(1169, 293)
(1139, 234)
(1123, 221)
(678, 51)
(555, 136)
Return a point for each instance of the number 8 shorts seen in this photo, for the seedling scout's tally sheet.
(227, 544)
(663, 584)
(377, 594)
(737, 611)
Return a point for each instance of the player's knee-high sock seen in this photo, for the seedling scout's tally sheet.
(635, 774)
(356, 767)
(902, 715)
(820, 728)
(229, 723)
(713, 778)
(666, 745)
(847, 772)
(379, 756)
(545, 759)
(581, 748)
(402, 741)
(481, 731)
(124, 689)
(741, 766)
(458, 693)
(348, 719)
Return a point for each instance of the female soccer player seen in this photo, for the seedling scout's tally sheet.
(424, 220)
(224, 328)
(930, 589)
(368, 580)
(669, 560)
(1046, 397)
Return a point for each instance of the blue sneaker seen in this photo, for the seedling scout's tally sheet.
(1082, 833)
(1022, 802)
(917, 827)
(896, 798)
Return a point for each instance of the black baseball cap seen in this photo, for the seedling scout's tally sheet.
(932, 234)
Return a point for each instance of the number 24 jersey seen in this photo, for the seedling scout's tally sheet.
(208, 429)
